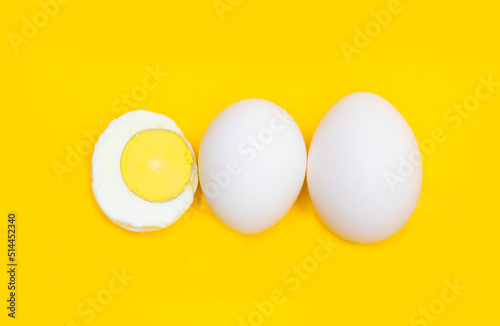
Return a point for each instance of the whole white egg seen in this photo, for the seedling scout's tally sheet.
(364, 170)
(252, 164)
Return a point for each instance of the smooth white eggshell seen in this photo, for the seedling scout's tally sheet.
(250, 189)
(364, 170)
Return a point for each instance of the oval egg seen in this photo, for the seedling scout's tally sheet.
(252, 164)
(364, 170)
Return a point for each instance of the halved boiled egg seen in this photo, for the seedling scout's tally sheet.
(143, 171)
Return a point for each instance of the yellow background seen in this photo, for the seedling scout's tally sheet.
(64, 80)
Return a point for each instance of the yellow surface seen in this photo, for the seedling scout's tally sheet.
(95, 60)
(156, 165)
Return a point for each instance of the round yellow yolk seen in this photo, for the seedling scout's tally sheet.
(156, 165)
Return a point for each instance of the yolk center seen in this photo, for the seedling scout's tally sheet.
(156, 165)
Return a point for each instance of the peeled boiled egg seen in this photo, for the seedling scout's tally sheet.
(364, 170)
(252, 162)
(143, 171)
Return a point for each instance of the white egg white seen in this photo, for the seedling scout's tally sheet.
(121, 205)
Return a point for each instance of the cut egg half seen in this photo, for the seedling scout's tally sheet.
(144, 172)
